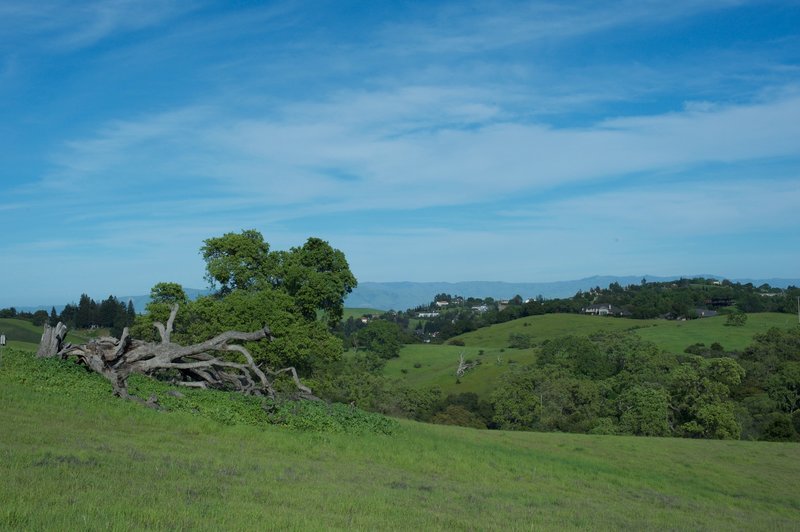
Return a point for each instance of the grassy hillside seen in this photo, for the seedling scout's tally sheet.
(74, 460)
(23, 334)
(549, 326)
(673, 336)
(438, 364)
(357, 312)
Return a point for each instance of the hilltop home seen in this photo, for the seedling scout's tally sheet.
(705, 313)
(605, 309)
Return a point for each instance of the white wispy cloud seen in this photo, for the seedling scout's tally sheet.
(470, 27)
(401, 155)
(73, 25)
(169, 122)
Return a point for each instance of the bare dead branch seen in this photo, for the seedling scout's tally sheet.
(201, 365)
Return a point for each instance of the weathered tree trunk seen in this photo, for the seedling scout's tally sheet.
(52, 340)
(200, 365)
(463, 366)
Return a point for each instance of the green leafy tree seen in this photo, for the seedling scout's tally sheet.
(297, 342)
(458, 415)
(315, 275)
(700, 398)
(516, 405)
(237, 260)
(162, 297)
(318, 277)
(289, 292)
(519, 340)
(381, 337)
(40, 317)
(168, 293)
(736, 319)
(644, 411)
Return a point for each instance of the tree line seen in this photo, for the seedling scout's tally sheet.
(110, 313)
(681, 299)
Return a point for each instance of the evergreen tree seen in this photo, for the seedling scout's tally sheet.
(130, 314)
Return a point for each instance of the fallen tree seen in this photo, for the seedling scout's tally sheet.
(207, 364)
(465, 366)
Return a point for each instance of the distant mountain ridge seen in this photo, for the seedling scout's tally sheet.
(402, 295)
(405, 295)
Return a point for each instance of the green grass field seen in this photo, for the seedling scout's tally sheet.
(438, 365)
(75, 460)
(673, 336)
(549, 326)
(439, 362)
(23, 334)
(356, 312)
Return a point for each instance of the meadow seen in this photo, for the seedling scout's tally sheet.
(671, 335)
(357, 312)
(549, 326)
(72, 457)
(23, 334)
(429, 365)
(675, 336)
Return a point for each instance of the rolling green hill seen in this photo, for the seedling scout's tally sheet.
(23, 334)
(92, 462)
(672, 336)
(437, 363)
(675, 336)
(549, 326)
(357, 312)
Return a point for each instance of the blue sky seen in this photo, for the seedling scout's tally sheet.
(430, 141)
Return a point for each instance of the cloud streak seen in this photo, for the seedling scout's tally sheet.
(512, 140)
(399, 154)
(68, 26)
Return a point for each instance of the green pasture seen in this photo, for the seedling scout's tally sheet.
(75, 459)
(23, 334)
(438, 364)
(357, 312)
(672, 336)
(549, 326)
(675, 336)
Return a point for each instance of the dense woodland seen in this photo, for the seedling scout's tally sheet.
(610, 383)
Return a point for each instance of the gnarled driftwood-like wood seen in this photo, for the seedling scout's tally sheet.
(202, 365)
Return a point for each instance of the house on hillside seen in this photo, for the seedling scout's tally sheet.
(605, 309)
(427, 314)
(705, 313)
(694, 313)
